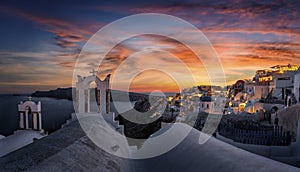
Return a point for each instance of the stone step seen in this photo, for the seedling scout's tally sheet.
(120, 129)
(133, 148)
(109, 117)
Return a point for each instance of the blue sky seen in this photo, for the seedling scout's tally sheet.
(40, 40)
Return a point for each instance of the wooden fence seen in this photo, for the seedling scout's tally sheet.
(255, 134)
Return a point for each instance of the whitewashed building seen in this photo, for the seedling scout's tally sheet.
(297, 87)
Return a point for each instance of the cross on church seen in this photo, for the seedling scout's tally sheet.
(94, 72)
(29, 98)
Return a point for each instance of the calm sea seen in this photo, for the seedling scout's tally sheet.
(55, 112)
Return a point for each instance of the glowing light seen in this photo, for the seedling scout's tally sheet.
(242, 106)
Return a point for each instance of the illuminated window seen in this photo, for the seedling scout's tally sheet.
(266, 78)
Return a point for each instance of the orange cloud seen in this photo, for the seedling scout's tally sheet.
(149, 81)
(233, 29)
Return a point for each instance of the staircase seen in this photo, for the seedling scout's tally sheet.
(109, 118)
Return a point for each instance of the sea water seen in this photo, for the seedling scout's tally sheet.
(55, 112)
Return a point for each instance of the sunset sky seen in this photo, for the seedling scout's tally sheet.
(40, 40)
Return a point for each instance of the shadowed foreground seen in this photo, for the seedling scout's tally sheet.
(69, 149)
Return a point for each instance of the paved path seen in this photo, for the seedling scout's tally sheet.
(212, 156)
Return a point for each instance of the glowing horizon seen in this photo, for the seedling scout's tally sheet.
(39, 45)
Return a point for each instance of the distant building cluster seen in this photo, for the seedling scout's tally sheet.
(192, 100)
(278, 85)
(269, 91)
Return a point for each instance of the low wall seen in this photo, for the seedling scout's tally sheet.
(288, 118)
(284, 151)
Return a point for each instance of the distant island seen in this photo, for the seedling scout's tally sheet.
(59, 93)
(66, 93)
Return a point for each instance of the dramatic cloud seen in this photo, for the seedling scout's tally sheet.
(67, 34)
(277, 17)
(247, 35)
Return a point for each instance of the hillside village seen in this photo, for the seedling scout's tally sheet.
(256, 114)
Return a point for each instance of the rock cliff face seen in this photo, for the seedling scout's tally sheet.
(142, 105)
(137, 122)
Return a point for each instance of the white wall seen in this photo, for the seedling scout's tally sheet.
(261, 91)
(297, 86)
(203, 105)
